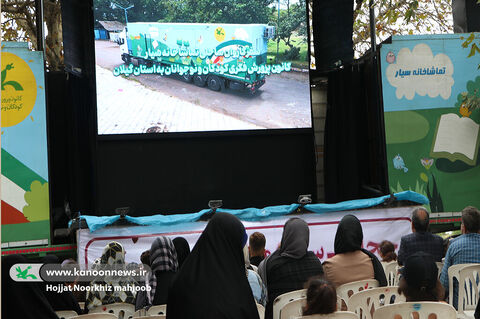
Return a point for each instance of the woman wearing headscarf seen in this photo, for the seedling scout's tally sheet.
(212, 282)
(17, 295)
(291, 265)
(183, 249)
(351, 262)
(103, 290)
(59, 301)
(164, 264)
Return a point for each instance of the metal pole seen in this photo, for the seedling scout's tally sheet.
(126, 19)
(372, 27)
(39, 24)
(278, 27)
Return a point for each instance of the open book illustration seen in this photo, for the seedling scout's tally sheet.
(456, 138)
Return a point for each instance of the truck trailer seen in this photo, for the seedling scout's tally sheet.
(241, 49)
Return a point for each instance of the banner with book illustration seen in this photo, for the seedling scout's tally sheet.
(24, 180)
(431, 98)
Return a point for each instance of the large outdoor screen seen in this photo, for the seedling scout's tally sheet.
(201, 65)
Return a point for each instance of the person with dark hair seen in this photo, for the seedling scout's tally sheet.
(256, 248)
(212, 282)
(183, 249)
(24, 300)
(387, 251)
(321, 297)
(420, 239)
(143, 298)
(291, 265)
(351, 262)
(465, 249)
(164, 264)
(419, 281)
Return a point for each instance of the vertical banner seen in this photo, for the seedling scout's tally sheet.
(24, 180)
(430, 86)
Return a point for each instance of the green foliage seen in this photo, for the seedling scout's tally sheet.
(436, 203)
(292, 23)
(419, 188)
(470, 43)
(37, 207)
(471, 98)
(219, 11)
(143, 10)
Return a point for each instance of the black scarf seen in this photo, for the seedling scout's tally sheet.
(59, 301)
(349, 238)
(182, 248)
(22, 299)
(212, 281)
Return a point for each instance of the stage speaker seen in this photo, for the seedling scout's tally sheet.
(332, 33)
(466, 16)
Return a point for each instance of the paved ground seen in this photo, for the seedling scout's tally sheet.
(283, 102)
(119, 110)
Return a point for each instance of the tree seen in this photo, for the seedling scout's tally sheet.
(400, 17)
(292, 21)
(219, 11)
(18, 24)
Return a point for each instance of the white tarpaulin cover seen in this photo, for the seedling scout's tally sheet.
(378, 224)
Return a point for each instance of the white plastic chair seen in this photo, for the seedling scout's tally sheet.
(120, 309)
(285, 298)
(153, 317)
(96, 316)
(469, 290)
(293, 309)
(440, 267)
(140, 313)
(365, 303)
(157, 310)
(391, 272)
(453, 273)
(346, 290)
(423, 309)
(66, 314)
(335, 315)
(261, 311)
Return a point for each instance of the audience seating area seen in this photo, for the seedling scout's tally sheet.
(469, 289)
(423, 309)
(347, 290)
(364, 303)
(335, 315)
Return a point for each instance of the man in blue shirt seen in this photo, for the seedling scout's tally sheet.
(420, 239)
(464, 249)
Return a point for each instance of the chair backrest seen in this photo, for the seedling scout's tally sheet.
(335, 315)
(120, 309)
(261, 311)
(391, 272)
(423, 309)
(285, 298)
(453, 272)
(469, 288)
(157, 310)
(364, 303)
(96, 316)
(140, 313)
(293, 309)
(346, 290)
(153, 317)
(440, 267)
(66, 314)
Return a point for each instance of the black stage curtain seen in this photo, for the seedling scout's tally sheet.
(355, 160)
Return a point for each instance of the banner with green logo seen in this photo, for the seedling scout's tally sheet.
(24, 180)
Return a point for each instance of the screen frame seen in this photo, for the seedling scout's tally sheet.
(212, 133)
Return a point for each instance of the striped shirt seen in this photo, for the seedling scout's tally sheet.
(463, 250)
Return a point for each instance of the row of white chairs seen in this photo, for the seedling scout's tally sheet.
(393, 274)
(119, 311)
(363, 300)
